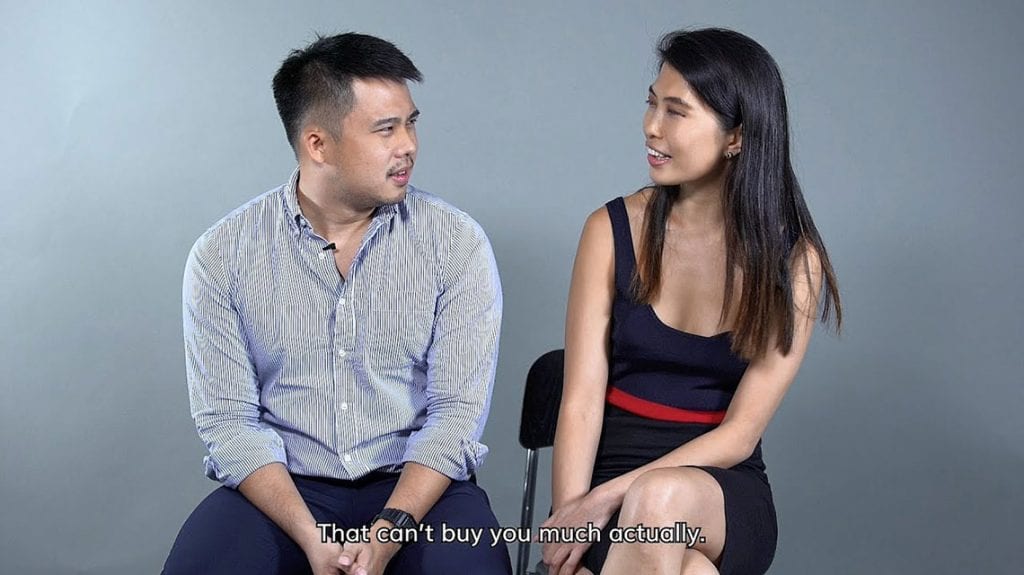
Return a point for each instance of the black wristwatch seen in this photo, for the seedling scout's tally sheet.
(397, 517)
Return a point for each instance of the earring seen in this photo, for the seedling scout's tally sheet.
(729, 155)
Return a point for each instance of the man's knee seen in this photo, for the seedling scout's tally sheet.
(460, 531)
(226, 534)
(440, 558)
(463, 504)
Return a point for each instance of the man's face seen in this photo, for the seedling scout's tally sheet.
(374, 156)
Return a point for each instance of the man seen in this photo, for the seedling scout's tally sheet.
(341, 336)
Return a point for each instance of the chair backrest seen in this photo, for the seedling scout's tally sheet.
(541, 400)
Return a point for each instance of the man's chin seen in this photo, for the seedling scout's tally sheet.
(396, 196)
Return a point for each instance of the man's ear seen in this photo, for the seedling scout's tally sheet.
(314, 142)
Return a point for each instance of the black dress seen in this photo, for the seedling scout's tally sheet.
(666, 387)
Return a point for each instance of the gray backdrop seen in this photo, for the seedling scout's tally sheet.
(128, 130)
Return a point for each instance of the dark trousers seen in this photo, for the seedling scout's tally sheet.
(227, 535)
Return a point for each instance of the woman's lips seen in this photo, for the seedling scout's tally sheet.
(656, 158)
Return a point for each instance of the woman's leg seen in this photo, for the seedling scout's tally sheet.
(696, 563)
(663, 498)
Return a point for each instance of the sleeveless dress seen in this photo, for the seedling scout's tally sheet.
(666, 387)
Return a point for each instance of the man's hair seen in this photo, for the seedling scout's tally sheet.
(315, 83)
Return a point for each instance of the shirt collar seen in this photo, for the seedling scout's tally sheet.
(298, 222)
(291, 204)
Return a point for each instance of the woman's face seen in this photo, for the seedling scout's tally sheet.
(685, 143)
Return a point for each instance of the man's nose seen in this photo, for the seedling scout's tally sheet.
(408, 145)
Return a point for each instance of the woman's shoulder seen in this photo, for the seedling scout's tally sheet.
(599, 220)
(636, 203)
(636, 206)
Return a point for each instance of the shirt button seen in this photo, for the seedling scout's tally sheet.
(344, 406)
(323, 256)
(348, 457)
(342, 301)
(341, 352)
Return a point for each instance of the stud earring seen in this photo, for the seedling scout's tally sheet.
(730, 155)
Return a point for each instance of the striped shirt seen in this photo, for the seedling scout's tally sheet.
(288, 362)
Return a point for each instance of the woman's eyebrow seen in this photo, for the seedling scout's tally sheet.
(670, 99)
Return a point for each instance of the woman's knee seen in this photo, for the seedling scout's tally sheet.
(678, 491)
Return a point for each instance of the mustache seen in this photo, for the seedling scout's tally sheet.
(409, 166)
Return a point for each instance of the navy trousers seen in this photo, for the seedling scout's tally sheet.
(228, 535)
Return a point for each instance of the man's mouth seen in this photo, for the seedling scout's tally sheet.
(400, 175)
(404, 170)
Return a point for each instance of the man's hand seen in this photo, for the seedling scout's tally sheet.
(323, 557)
(367, 558)
(594, 508)
(272, 490)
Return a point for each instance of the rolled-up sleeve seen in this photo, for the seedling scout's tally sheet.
(461, 360)
(222, 383)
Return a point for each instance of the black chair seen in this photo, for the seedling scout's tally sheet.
(541, 400)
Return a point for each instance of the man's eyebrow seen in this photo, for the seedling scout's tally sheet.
(670, 99)
(385, 121)
(393, 120)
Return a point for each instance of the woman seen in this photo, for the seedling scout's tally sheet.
(677, 357)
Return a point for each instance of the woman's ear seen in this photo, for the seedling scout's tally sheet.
(734, 141)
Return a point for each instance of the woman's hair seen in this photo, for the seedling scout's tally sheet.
(767, 225)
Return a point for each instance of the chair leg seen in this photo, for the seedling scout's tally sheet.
(526, 519)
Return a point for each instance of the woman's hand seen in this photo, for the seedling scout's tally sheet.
(595, 508)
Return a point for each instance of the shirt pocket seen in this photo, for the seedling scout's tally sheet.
(398, 328)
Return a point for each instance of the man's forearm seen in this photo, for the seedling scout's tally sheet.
(419, 487)
(271, 489)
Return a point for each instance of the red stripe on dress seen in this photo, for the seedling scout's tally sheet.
(653, 410)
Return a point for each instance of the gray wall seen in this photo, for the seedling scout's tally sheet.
(130, 129)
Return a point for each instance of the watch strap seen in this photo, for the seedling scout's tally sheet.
(397, 517)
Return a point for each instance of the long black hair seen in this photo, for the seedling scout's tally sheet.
(767, 224)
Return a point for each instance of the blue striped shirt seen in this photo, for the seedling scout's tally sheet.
(287, 361)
